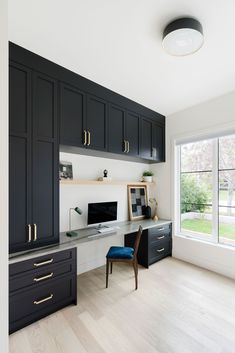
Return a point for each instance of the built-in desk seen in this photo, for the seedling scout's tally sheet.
(91, 251)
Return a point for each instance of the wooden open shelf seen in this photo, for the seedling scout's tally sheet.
(97, 182)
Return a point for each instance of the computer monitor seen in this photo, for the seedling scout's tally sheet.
(102, 212)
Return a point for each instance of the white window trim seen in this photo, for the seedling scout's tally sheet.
(176, 141)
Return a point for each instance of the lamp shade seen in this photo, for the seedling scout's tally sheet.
(183, 36)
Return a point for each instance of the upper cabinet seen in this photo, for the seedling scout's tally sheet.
(152, 140)
(72, 116)
(96, 123)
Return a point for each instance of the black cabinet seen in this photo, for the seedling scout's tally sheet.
(72, 116)
(123, 131)
(155, 244)
(40, 286)
(116, 129)
(152, 140)
(33, 165)
(96, 123)
(132, 133)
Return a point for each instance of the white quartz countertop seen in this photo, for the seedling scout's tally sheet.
(119, 228)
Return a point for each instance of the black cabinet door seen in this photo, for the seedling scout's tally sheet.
(96, 123)
(116, 129)
(72, 113)
(158, 139)
(45, 161)
(132, 133)
(19, 157)
(146, 138)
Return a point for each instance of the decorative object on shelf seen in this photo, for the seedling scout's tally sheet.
(105, 177)
(66, 170)
(183, 36)
(148, 212)
(154, 202)
(137, 200)
(148, 176)
(72, 233)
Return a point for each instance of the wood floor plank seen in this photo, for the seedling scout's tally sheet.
(178, 308)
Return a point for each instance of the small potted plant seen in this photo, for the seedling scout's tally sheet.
(148, 176)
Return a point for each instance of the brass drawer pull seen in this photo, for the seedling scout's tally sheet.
(124, 146)
(89, 138)
(161, 250)
(43, 300)
(160, 229)
(128, 147)
(35, 232)
(161, 237)
(85, 137)
(37, 264)
(38, 279)
(29, 233)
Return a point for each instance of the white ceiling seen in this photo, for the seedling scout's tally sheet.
(117, 43)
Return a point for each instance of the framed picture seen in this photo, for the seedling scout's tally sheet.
(66, 170)
(137, 199)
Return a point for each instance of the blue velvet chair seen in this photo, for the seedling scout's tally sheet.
(124, 254)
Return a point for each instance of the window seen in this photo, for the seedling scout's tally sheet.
(206, 184)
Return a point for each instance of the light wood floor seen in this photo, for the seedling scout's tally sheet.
(178, 308)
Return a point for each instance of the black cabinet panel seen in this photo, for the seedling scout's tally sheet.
(44, 106)
(116, 129)
(132, 133)
(158, 143)
(45, 161)
(146, 138)
(19, 98)
(44, 205)
(96, 123)
(72, 110)
(19, 199)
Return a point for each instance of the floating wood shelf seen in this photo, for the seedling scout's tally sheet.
(97, 182)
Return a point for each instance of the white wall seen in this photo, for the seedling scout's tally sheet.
(215, 115)
(87, 167)
(4, 177)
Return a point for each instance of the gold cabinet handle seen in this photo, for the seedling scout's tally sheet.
(35, 232)
(37, 264)
(85, 137)
(161, 250)
(124, 146)
(29, 233)
(43, 300)
(160, 229)
(161, 237)
(128, 147)
(89, 138)
(38, 279)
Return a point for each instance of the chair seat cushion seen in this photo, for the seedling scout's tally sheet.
(120, 252)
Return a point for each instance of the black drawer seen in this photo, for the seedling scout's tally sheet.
(165, 228)
(27, 306)
(159, 250)
(163, 235)
(41, 275)
(41, 261)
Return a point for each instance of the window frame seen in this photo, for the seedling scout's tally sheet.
(214, 237)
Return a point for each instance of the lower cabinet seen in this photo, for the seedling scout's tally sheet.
(155, 244)
(40, 286)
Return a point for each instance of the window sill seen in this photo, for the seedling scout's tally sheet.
(205, 241)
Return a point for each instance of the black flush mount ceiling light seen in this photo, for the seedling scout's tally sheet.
(183, 36)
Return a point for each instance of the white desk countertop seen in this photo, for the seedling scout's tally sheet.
(119, 228)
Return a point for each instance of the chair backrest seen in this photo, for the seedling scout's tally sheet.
(137, 241)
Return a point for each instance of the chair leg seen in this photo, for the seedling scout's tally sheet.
(135, 265)
(107, 272)
(111, 268)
